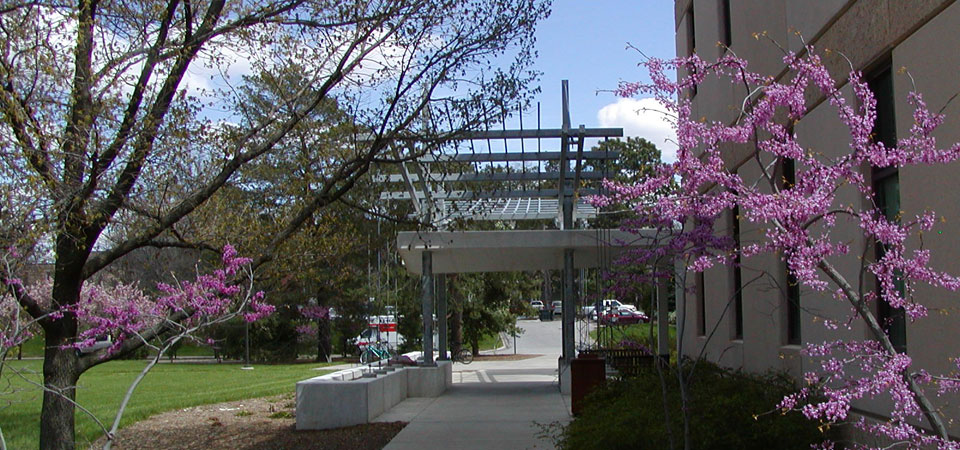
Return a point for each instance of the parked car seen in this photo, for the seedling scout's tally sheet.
(537, 305)
(608, 304)
(557, 307)
(623, 316)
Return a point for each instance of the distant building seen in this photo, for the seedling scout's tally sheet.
(878, 38)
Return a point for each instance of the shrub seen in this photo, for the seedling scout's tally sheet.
(727, 410)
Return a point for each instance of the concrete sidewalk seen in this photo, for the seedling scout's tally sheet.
(483, 416)
(491, 405)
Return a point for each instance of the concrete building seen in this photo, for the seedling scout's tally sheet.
(878, 37)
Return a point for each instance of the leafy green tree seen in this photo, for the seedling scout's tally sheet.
(113, 143)
(484, 299)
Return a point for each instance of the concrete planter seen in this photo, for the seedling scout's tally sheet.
(347, 398)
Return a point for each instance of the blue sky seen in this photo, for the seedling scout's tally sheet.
(585, 42)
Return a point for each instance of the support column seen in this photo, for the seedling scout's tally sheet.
(680, 288)
(663, 319)
(426, 286)
(442, 316)
(569, 306)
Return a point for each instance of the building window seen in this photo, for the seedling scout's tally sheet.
(737, 276)
(793, 310)
(792, 294)
(691, 31)
(886, 188)
(701, 305)
(725, 34)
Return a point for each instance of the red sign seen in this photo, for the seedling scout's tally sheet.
(387, 327)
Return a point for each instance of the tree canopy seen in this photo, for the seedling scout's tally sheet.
(119, 120)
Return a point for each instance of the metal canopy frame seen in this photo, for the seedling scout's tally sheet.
(441, 187)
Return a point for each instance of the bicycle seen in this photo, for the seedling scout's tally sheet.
(463, 356)
(375, 352)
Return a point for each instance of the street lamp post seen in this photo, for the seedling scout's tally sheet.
(246, 345)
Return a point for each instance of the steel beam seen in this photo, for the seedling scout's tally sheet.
(498, 176)
(426, 287)
(442, 316)
(538, 133)
(471, 195)
(514, 156)
(569, 306)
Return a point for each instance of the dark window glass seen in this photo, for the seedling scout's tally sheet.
(725, 36)
(793, 310)
(793, 286)
(737, 277)
(701, 306)
(886, 186)
(691, 40)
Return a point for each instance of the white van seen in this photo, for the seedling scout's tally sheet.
(608, 304)
(379, 329)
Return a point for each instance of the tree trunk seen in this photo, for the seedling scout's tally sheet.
(61, 366)
(456, 330)
(546, 291)
(475, 346)
(324, 344)
(60, 375)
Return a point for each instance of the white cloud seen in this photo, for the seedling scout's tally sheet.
(645, 118)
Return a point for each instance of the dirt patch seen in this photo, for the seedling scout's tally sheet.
(260, 423)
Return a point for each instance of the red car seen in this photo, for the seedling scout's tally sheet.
(623, 317)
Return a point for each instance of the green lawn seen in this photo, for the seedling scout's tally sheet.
(166, 387)
(639, 332)
(30, 347)
(490, 341)
(33, 347)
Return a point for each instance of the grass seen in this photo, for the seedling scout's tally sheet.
(33, 348)
(490, 341)
(30, 348)
(167, 387)
(638, 332)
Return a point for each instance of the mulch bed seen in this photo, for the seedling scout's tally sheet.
(261, 423)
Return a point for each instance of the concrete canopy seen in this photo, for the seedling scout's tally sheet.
(514, 250)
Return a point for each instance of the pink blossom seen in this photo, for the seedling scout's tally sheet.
(798, 221)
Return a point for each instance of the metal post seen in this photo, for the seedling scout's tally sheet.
(663, 321)
(246, 345)
(680, 289)
(442, 315)
(426, 286)
(566, 206)
(569, 305)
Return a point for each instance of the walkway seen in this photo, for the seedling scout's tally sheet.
(492, 404)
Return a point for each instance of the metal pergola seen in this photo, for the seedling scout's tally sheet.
(505, 185)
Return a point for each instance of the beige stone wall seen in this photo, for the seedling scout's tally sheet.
(921, 36)
(931, 57)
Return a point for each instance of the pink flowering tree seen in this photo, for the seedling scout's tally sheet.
(310, 330)
(118, 316)
(16, 326)
(798, 223)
